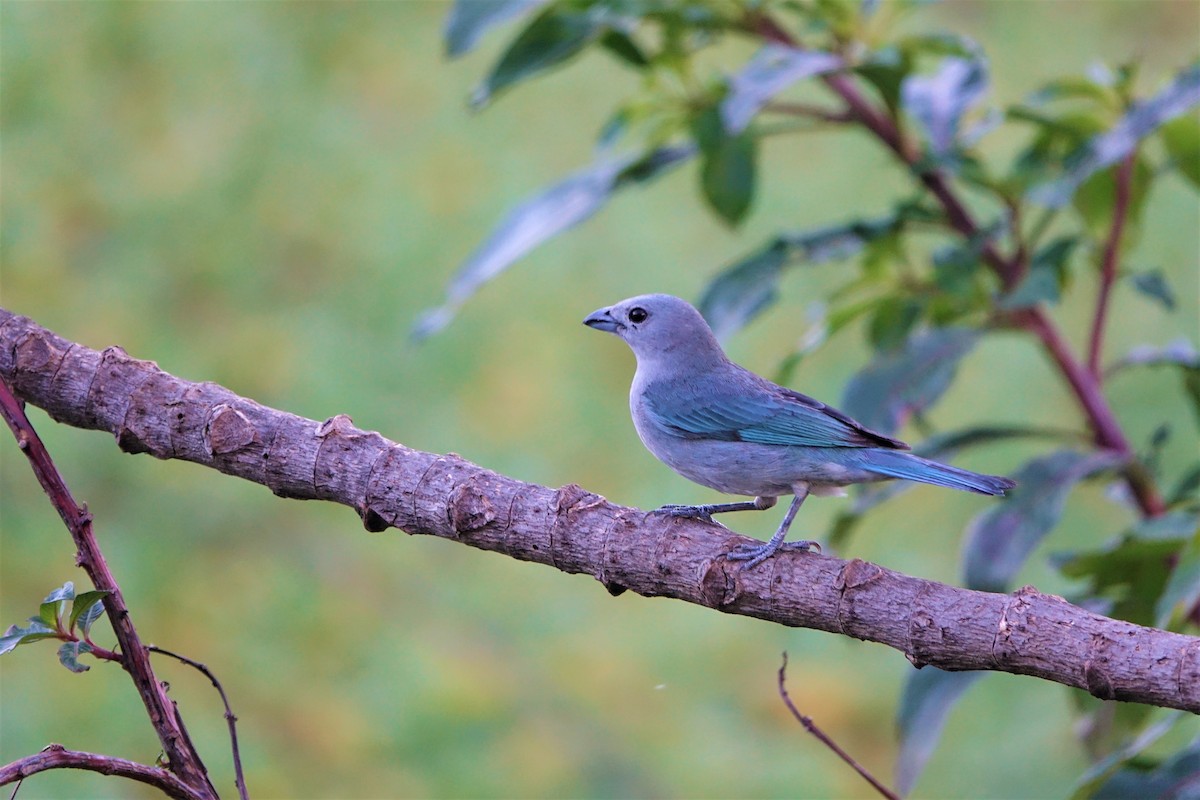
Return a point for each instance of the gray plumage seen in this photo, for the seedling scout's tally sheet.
(722, 426)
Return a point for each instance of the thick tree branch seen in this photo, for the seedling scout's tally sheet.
(575, 531)
(58, 757)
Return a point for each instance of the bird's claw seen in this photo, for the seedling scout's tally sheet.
(689, 512)
(754, 555)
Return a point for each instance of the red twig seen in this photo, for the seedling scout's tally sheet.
(812, 728)
(183, 759)
(56, 756)
(230, 717)
(1108, 263)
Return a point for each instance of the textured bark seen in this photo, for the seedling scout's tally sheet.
(56, 756)
(573, 530)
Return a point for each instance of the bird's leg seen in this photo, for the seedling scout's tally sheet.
(756, 555)
(705, 512)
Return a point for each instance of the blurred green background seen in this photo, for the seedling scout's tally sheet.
(267, 196)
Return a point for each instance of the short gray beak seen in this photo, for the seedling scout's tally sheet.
(602, 320)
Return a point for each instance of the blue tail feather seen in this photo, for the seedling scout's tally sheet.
(899, 464)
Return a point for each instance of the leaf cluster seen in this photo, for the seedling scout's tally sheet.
(67, 617)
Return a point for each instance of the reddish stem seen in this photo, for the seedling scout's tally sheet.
(1108, 263)
(183, 759)
(1084, 383)
(56, 756)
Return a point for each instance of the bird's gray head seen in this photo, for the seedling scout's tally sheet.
(660, 327)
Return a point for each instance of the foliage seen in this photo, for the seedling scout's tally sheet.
(934, 277)
(53, 621)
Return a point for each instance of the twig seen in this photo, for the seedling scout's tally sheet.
(230, 717)
(183, 759)
(812, 728)
(55, 756)
(1083, 382)
(808, 110)
(1108, 262)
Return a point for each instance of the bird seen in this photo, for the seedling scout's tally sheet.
(722, 426)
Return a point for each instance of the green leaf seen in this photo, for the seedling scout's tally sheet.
(1132, 571)
(908, 380)
(87, 609)
(1181, 137)
(727, 171)
(1179, 353)
(543, 216)
(1182, 591)
(35, 630)
(551, 39)
(1175, 778)
(470, 19)
(1046, 277)
(770, 71)
(1154, 285)
(1106, 149)
(622, 45)
(929, 695)
(893, 322)
(939, 101)
(1185, 487)
(1095, 199)
(68, 655)
(1097, 774)
(53, 608)
(999, 540)
(742, 291)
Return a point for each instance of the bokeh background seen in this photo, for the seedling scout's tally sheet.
(267, 196)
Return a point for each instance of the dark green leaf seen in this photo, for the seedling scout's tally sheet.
(1095, 199)
(1132, 571)
(1097, 774)
(1154, 285)
(542, 217)
(1046, 277)
(1176, 778)
(929, 695)
(68, 655)
(552, 38)
(939, 101)
(727, 176)
(1182, 591)
(470, 19)
(1186, 487)
(893, 321)
(1000, 539)
(87, 609)
(742, 291)
(1181, 137)
(622, 45)
(773, 69)
(1102, 151)
(908, 380)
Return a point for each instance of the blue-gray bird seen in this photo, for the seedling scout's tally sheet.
(722, 426)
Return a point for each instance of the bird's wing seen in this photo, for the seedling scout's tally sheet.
(750, 409)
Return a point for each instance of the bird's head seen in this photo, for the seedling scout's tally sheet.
(659, 327)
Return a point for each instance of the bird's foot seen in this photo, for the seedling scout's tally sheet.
(691, 512)
(754, 555)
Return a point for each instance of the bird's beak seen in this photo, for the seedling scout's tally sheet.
(602, 320)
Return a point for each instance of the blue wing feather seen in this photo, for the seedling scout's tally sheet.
(755, 410)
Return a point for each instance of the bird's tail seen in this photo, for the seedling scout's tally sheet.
(899, 464)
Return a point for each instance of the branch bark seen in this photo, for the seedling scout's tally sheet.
(575, 531)
(56, 756)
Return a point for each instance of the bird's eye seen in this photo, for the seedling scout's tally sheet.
(638, 314)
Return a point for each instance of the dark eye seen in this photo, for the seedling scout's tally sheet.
(638, 314)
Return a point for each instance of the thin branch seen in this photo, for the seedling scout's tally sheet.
(1083, 382)
(575, 531)
(808, 111)
(56, 756)
(812, 728)
(183, 759)
(1108, 263)
(230, 717)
